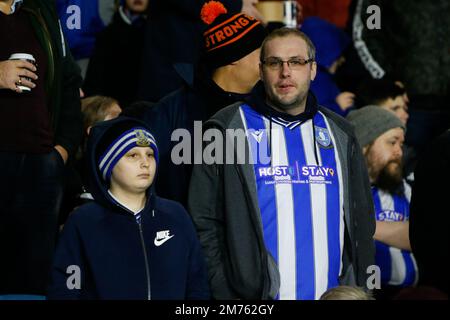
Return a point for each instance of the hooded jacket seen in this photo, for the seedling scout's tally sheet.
(330, 43)
(223, 202)
(117, 256)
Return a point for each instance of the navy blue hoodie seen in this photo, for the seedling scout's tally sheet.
(121, 257)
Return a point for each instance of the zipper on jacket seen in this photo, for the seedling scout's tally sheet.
(144, 250)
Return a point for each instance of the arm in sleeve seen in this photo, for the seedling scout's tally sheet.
(373, 46)
(394, 234)
(67, 278)
(364, 216)
(205, 207)
(197, 282)
(69, 130)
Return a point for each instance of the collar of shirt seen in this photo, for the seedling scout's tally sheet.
(136, 213)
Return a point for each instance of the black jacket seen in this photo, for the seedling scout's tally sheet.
(118, 256)
(224, 206)
(429, 214)
(173, 45)
(114, 67)
(179, 110)
(63, 76)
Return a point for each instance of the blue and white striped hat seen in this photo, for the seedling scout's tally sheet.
(134, 137)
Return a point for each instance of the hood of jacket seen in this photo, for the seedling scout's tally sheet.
(97, 185)
(329, 40)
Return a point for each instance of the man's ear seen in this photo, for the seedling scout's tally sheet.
(313, 70)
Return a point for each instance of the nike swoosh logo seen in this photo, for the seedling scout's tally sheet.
(162, 241)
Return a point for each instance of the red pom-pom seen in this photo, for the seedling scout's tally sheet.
(211, 10)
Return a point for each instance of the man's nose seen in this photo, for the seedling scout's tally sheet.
(145, 162)
(398, 152)
(285, 69)
(405, 115)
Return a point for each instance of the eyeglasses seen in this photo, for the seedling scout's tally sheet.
(293, 63)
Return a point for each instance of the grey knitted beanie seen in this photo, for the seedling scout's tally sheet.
(371, 122)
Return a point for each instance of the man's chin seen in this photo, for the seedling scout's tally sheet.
(391, 177)
(287, 102)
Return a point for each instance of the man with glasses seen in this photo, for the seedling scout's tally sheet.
(294, 216)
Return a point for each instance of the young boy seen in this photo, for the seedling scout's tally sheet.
(128, 243)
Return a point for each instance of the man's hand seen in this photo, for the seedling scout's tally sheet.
(13, 72)
(345, 100)
(63, 152)
(395, 234)
(249, 8)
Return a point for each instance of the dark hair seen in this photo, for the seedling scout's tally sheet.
(137, 109)
(376, 91)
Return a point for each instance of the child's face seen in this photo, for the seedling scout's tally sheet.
(135, 171)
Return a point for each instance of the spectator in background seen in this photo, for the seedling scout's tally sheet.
(173, 43)
(333, 11)
(386, 94)
(330, 43)
(270, 227)
(411, 45)
(381, 135)
(98, 108)
(115, 64)
(230, 72)
(95, 109)
(128, 243)
(39, 131)
(390, 96)
(81, 21)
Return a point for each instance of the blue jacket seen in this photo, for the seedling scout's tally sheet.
(330, 43)
(119, 256)
(81, 40)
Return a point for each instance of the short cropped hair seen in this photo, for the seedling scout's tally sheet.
(377, 91)
(285, 32)
(346, 293)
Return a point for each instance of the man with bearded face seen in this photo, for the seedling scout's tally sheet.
(381, 136)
